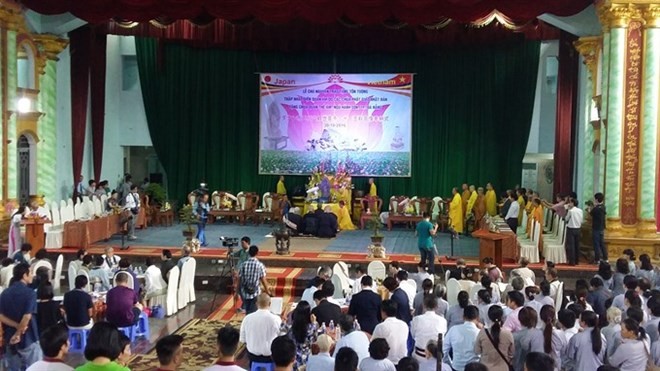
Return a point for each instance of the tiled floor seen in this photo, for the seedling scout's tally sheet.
(161, 327)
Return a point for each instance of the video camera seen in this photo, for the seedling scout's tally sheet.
(229, 242)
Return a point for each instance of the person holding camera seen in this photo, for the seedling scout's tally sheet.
(201, 211)
(132, 203)
(251, 274)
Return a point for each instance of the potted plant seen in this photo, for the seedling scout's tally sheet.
(156, 193)
(187, 217)
(375, 225)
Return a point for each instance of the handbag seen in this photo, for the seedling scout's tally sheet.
(498, 350)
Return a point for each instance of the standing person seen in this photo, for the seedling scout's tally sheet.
(425, 232)
(511, 217)
(471, 201)
(456, 212)
(598, 227)
(242, 253)
(284, 353)
(227, 345)
(633, 352)
(554, 341)
(528, 339)
(250, 275)
(54, 343)
(400, 297)
(365, 306)
(465, 197)
(15, 241)
(201, 211)
(586, 350)
(18, 302)
(322, 360)
(491, 200)
(459, 344)
(495, 345)
(258, 330)
(281, 188)
(377, 360)
(132, 203)
(352, 338)
(559, 207)
(125, 188)
(426, 327)
(393, 330)
(574, 219)
(373, 191)
(479, 208)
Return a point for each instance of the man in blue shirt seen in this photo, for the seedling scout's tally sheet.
(17, 304)
(425, 232)
(201, 211)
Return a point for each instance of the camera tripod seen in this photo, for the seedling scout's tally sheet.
(228, 271)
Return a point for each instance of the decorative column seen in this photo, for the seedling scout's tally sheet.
(590, 50)
(50, 47)
(647, 227)
(631, 82)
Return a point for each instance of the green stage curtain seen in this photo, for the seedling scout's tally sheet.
(472, 112)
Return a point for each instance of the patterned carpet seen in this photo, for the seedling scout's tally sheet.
(199, 346)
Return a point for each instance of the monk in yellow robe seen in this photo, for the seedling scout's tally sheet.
(471, 201)
(491, 200)
(465, 196)
(521, 203)
(281, 189)
(538, 216)
(456, 213)
(373, 191)
(344, 218)
(479, 209)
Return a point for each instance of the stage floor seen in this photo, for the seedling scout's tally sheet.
(400, 240)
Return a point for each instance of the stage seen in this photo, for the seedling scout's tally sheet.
(305, 252)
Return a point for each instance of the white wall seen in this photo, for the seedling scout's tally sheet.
(542, 131)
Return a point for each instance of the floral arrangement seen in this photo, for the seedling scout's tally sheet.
(326, 183)
(194, 244)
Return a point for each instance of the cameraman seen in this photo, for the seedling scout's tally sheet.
(242, 255)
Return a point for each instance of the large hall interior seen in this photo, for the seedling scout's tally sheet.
(222, 159)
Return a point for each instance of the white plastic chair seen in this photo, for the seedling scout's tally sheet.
(436, 208)
(192, 267)
(453, 288)
(339, 291)
(266, 202)
(159, 299)
(57, 276)
(131, 284)
(376, 269)
(54, 235)
(466, 285)
(531, 250)
(340, 269)
(555, 251)
(97, 206)
(185, 283)
(172, 291)
(241, 200)
(42, 263)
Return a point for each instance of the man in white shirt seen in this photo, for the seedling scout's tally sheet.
(393, 330)
(357, 285)
(460, 340)
(258, 330)
(54, 342)
(511, 217)
(322, 360)
(351, 338)
(154, 284)
(426, 327)
(132, 203)
(408, 286)
(574, 218)
(227, 345)
(308, 294)
(524, 272)
(110, 260)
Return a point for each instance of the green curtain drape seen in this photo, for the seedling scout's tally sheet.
(472, 111)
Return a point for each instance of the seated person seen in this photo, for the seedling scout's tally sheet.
(123, 307)
(167, 264)
(458, 273)
(323, 360)
(154, 285)
(6, 271)
(327, 224)
(111, 261)
(78, 305)
(48, 310)
(185, 255)
(99, 276)
(78, 262)
(344, 218)
(54, 342)
(40, 256)
(23, 256)
(125, 267)
(86, 265)
(103, 348)
(295, 224)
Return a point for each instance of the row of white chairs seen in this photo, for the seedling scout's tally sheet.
(66, 211)
(455, 286)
